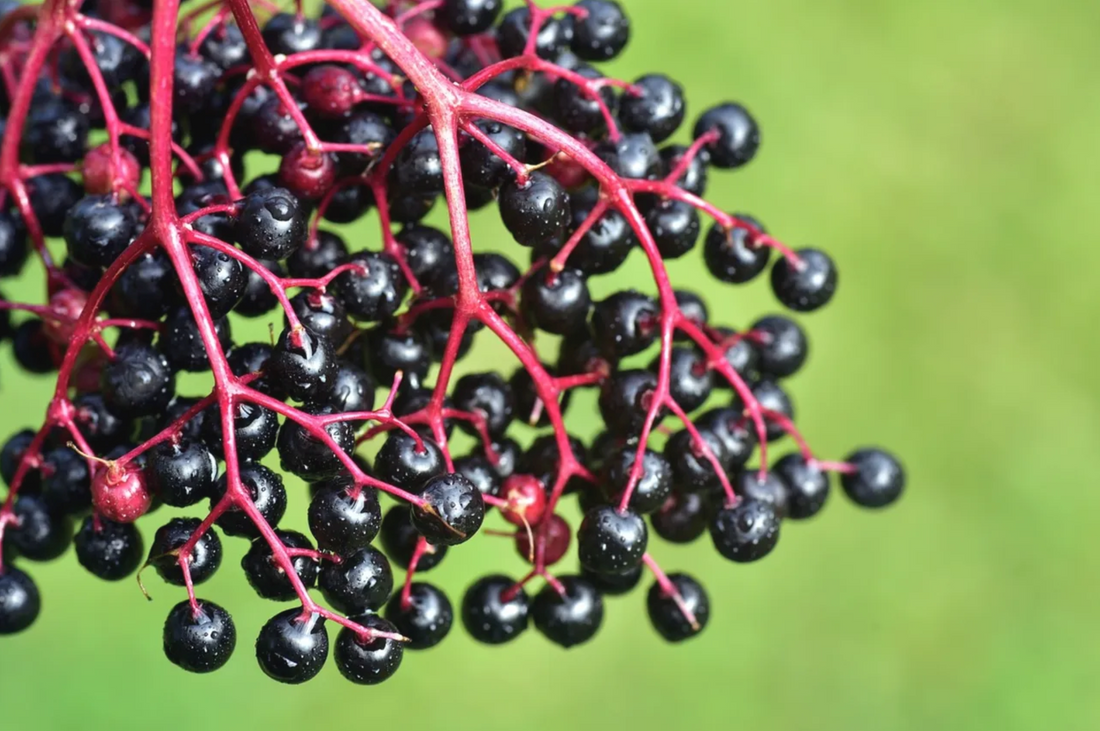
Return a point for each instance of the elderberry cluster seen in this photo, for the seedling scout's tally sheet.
(156, 248)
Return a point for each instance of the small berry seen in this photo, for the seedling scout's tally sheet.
(667, 615)
(492, 613)
(425, 620)
(738, 135)
(878, 479)
(360, 582)
(367, 662)
(807, 286)
(572, 618)
(806, 485)
(610, 541)
(271, 224)
(202, 641)
(536, 211)
(109, 550)
(292, 648)
(746, 532)
(268, 577)
(121, 493)
(205, 558)
(20, 602)
(602, 33)
(453, 512)
(341, 523)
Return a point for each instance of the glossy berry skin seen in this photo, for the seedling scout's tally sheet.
(556, 303)
(290, 650)
(489, 395)
(66, 483)
(288, 33)
(303, 363)
(391, 351)
(487, 169)
(602, 33)
(738, 134)
(56, 132)
(109, 550)
(403, 463)
(317, 257)
(13, 244)
(808, 286)
(736, 438)
(427, 618)
(341, 523)
(375, 294)
(194, 82)
(20, 601)
(731, 256)
(683, 518)
(611, 542)
(572, 619)
(490, 617)
(52, 196)
(652, 489)
(182, 344)
(121, 493)
(666, 615)
(323, 314)
(690, 380)
(271, 224)
(746, 532)
(658, 109)
(199, 643)
(38, 534)
(614, 584)
(674, 225)
(878, 480)
(255, 429)
(205, 558)
(222, 279)
(147, 288)
(368, 662)
(625, 399)
(480, 472)
(633, 156)
(97, 230)
(536, 212)
(515, 27)
(771, 397)
(454, 510)
(399, 540)
(806, 485)
(265, 490)
(579, 112)
(625, 323)
(361, 581)
(467, 17)
(304, 455)
(781, 344)
(268, 578)
(769, 489)
(181, 473)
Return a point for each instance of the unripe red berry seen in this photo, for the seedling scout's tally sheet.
(431, 41)
(558, 536)
(526, 498)
(330, 91)
(307, 174)
(120, 493)
(67, 303)
(104, 172)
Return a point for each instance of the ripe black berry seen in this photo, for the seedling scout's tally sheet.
(98, 229)
(254, 427)
(292, 647)
(731, 255)
(403, 463)
(490, 396)
(467, 17)
(614, 584)
(603, 31)
(425, 620)
(317, 257)
(610, 541)
(878, 480)
(367, 662)
(515, 27)
(658, 107)
(303, 363)
(303, 454)
(361, 581)
(625, 323)
(342, 523)
(625, 400)
(632, 156)
(570, 619)
(683, 518)
(667, 615)
(557, 303)
(738, 135)
(222, 278)
(199, 642)
(182, 344)
(109, 550)
(323, 314)
(265, 490)
(66, 483)
(38, 533)
(487, 169)
(288, 33)
(205, 557)
(653, 487)
(805, 484)
(807, 286)
(674, 225)
(768, 489)
(375, 294)
(454, 510)
(399, 540)
(746, 532)
(181, 473)
(536, 212)
(20, 602)
(267, 576)
(490, 616)
(781, 344)
(271, 224)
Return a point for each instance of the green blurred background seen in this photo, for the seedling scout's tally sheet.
(946, 154)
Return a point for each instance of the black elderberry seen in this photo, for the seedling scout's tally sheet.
(341, 522)
(535, 212)
(690, 379)
(557, 303)
(652, 488)
(20, 601)
(182, 344)
(614, 584)
(731, 254)
(352, 390)
(781, 344)
(632, 156)
(878, 479)
(668, 615)
(147, 288)
(602, 32)
(391, 351)
(273, 129)
(303, 363)
(305, 455)
(625, 323)
(807, 285)
(735, 434)
(66, 483)
(31, 348)
(138, 382)
(807, 486)
(205, 558)
(492, 612)
(625, 401)
(318, 256)
(468, 17)
(289, 33)
(225, 46)
(488, 395)
(408, 465)
(368, 662)
(265, 490)
(427, 251)
(610, 541)
(12, 455)
(746, 532)
(694, 177)
(426, 619)
(259, 299)
(100, 427)
(487, 169)
(577, 110)
(181, 472)
(361, 581)
(480, 472)
(674, 225)
(250, 358)
(292, 647)
(38, 533)
(271, 224)
(738, 135)
(267, 576)
(772, 398)
(199, 641)
(361, 127)
(657, 108)
(570, 619)
(98, 229)
(194, 82)
(374, 293)
(56, 132)
(683, 518)
(109, 550)
(254, 427)
(515, 27)
(767, 489)
(418, 170)
(399, 540)
(222, 279)
(13, 244)
(691, 467)
(52, 196)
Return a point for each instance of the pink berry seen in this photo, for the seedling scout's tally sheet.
(120, 493)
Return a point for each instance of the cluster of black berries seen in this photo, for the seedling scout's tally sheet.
(121, 440)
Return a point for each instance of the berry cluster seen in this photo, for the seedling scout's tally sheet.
(126, 129)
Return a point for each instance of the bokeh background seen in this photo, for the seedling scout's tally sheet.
(946, 154)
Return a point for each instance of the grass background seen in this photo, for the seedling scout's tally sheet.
(945, 153)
